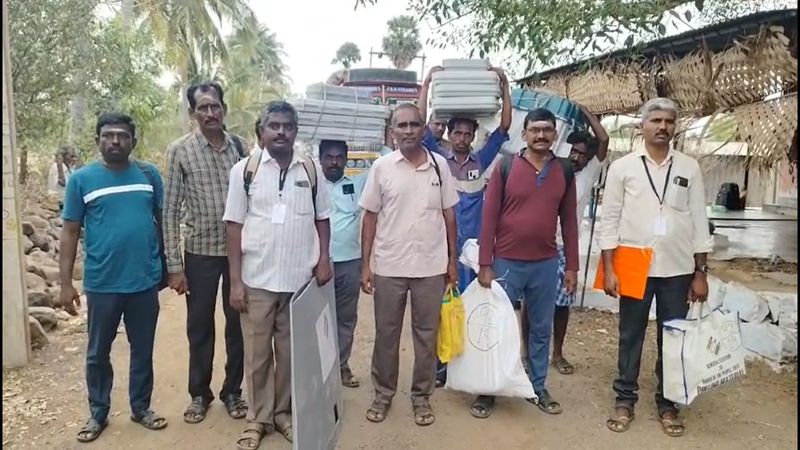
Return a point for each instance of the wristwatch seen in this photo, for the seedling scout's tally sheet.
(702, 269)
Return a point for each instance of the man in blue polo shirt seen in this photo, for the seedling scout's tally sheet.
(344, 192)
(118, 202)
(469, 169)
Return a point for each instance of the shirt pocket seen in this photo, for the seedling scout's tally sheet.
(677, 196)
(434, 196)
(304, 204)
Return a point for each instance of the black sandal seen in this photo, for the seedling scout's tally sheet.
(150, 420)
(92, 430)
(482, 407)
(547, 404)
(236, 406)
(197, 410)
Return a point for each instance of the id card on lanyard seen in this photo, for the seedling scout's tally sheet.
(660, 222)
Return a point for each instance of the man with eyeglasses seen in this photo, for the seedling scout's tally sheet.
(198, 166)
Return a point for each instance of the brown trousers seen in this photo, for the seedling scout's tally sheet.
(269, 389)
(390, 305)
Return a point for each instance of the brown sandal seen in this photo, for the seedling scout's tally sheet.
(423, 415)
(377, 412)
(251, 437)
(672, 426)
(620, 423)
(286, 432)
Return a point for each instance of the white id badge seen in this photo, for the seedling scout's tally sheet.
(660, 226)
(279, 213)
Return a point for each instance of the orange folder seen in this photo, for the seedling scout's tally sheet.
(631, 264)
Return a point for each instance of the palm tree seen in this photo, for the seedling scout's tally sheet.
(402, 42)
(189, 31)
(347, 55)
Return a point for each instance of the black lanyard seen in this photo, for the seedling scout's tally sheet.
(282, 180)
(653, 185)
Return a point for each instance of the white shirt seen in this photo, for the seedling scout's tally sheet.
(585, 180)
(631, 211)
(277, 257)
(53, 188)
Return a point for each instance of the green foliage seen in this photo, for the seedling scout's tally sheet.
(402, 41)
(543, 32)
(347, 55)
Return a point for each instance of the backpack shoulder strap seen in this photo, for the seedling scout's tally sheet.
(250, 169)
(311, 171)
(569, 170)
(436, 167)
(239, 146)
(505, 169)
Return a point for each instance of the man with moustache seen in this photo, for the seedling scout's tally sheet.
(437, 127)
(470, 170)
(409, 237)
(345, 193)
(528, 194)
(278, 239)
(588, 154)
(198, 165)
(654, 197)
(118, 202)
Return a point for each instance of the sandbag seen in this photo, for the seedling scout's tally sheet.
(701, 352)
(490, 363)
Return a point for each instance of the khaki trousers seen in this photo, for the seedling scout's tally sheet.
(269, 384)
(390, 305)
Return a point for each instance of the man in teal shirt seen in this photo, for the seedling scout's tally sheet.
(345, 245)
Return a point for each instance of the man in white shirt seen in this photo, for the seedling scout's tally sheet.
(588, 155)
(654, 198)
(410, 224)
(278, 237)
(60, 171)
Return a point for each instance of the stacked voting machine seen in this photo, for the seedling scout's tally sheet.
(465, 88)
(340, 113)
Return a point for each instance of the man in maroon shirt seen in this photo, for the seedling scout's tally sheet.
(518, 242)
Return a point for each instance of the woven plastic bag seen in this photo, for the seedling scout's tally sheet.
(450, 340)
(701, 352)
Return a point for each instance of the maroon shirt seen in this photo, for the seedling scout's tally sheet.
(522, 226)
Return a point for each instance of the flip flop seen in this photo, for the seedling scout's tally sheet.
(619, 423)
(251, 437)
(423, 415)
(348, 380)
(672, 426)
(150, 420)
(482, 407)
(92, 430)
(563, 366)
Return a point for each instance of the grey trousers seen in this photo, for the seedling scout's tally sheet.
(347, 283)
(390, 305)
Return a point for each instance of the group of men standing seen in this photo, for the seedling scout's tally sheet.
(265, 223)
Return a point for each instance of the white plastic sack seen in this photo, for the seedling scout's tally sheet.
(750, 306)
(769, 341)
(701, 352)
(469, 254)
(490, 364)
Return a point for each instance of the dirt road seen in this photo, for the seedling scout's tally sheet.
(44, 404)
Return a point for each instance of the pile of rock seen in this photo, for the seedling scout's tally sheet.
(41, 229)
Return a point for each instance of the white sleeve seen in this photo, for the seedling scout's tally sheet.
(611, 215)
(323, 200)
(236, 204)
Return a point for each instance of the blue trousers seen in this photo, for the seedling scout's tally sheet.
(535, 283)
(140, 313)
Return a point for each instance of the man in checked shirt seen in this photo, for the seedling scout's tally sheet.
(198, 167)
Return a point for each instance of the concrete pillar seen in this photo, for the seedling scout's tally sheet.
(16, 338)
